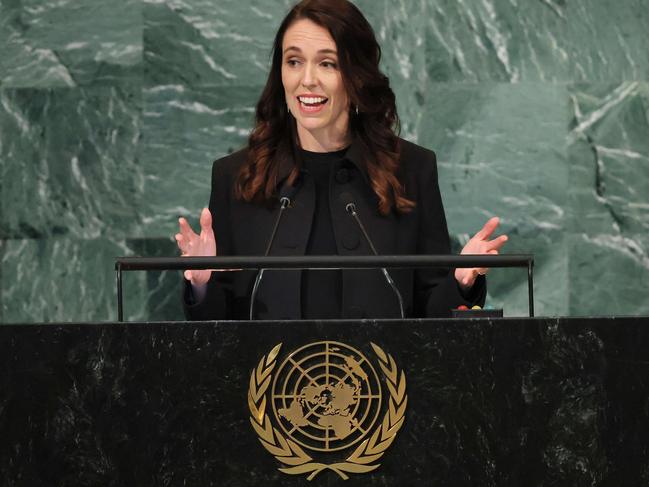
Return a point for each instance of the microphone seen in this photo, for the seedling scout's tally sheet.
(286, 195)
(350, 207)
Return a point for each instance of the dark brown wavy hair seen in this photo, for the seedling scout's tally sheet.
(375, 128)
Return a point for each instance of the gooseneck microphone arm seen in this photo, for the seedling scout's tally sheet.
(350, 207)
(285, 202)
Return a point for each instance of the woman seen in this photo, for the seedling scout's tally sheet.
(325, 133)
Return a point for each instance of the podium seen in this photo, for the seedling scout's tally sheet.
(514, 401)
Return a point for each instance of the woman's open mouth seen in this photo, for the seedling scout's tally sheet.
(311, 104)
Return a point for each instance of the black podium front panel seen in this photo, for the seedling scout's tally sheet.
(425, 402)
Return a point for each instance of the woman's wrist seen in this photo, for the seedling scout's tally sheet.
(198, 292)
(465, 278)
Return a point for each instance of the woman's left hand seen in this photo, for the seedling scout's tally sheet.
(480, 244)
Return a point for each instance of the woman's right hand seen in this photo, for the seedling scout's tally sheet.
(192, 245)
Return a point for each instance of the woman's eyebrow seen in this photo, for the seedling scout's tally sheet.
(321, 51)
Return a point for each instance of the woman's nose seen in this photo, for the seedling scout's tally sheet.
(309, 77)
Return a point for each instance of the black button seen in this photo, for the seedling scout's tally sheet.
(351, 241)
(342, 176)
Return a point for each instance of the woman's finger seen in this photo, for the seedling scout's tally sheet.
(185, 228)
(180, 240)
(206, 220)
(497, 243)
(483, 270)
(488, 228)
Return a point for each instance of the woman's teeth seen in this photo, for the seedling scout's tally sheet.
(312, 101)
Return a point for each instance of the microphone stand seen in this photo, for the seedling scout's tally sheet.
(284, 203)
(351, 209)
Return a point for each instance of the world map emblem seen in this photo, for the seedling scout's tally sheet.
(326, 406)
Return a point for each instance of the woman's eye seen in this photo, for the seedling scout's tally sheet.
(328, 64)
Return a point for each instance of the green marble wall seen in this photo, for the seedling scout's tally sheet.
(111, 113)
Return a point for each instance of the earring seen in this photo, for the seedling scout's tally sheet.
(356, 109)
(288, 108)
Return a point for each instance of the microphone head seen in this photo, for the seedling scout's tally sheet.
(347, 200)
(287, 191)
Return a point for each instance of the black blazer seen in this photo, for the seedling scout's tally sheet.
(244, 229)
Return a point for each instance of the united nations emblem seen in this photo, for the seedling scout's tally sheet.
(325, 400)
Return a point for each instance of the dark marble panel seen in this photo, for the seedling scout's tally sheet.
(628, 408)
(560, 440)
(546, 40)
(491, 403)
(68, 163)
(70, 43)
(3, 244)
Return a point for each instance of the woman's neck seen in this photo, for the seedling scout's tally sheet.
(323, 142)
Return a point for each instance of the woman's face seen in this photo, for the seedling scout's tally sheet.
(312, 81)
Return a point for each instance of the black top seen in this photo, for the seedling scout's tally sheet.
(242, 228)
(321, 289)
